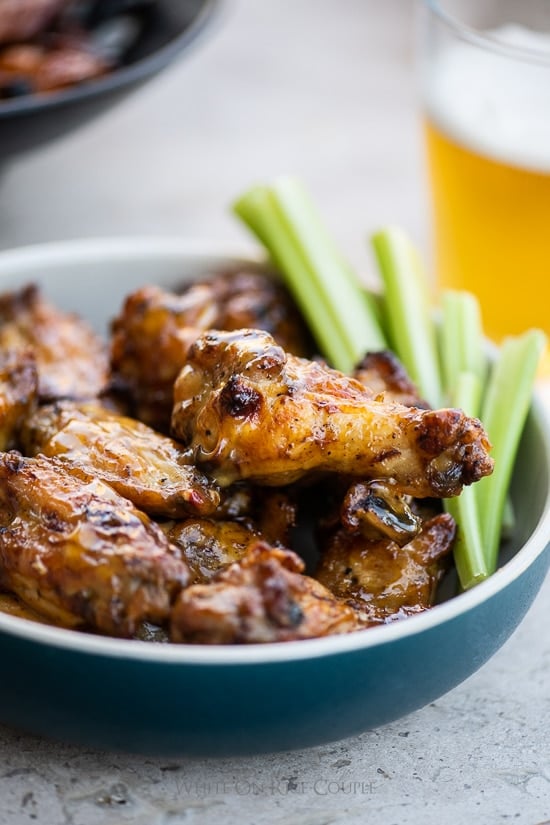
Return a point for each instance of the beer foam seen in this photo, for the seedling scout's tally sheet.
(495, 104)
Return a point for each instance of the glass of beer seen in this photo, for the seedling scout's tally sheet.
(485, 74)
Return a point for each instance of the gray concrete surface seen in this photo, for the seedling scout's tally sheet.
(323, 89)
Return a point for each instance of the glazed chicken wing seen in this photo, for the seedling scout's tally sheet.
(263, 598)
(149, 346)
(74, 550)
(155, 329)
(18, 389)
(71, 360)
(383, 581)
(249, 410)
(142, 465)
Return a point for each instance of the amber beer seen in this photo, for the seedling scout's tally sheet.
(487, 126)
(492, 232)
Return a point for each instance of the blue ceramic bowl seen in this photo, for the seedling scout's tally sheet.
(182, 699)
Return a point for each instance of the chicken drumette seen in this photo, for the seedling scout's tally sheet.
(263, 598)
(74, 550)
(381, 580)
(249, 410)
(155, 329)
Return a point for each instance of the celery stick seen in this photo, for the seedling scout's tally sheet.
(504, 411)
(340, 313)
(468, 552)
(409, 319)
(461, 339)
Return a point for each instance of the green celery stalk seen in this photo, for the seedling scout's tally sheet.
(463, 349)
(345, 319)
(461, 340)
(412, 333)
(503, 413)
(340, 312)
(468, 551)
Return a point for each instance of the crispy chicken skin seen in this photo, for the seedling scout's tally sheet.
(155, 329)
(150, 469)
(263, 598)
(21, 19)
(18, 390)
(151, 338)
(74, 550)
(383, 581)
(256, 301)
(71, 360)
(383, 374)
(249, 410)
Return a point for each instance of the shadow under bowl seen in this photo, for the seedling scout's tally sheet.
(28, 121)
(214, 700)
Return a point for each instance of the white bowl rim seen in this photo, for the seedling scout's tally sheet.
(24, 259)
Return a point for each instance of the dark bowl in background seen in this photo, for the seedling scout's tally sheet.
(31, 120)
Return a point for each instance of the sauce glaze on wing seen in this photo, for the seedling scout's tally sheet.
(75, 551)
(249, 410)
(150, 469)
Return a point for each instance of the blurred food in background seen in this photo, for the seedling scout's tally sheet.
(51, 44)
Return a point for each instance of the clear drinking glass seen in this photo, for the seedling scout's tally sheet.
(485, 74)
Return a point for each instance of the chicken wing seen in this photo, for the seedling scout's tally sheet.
(142, 465)
(155, 329)
(71, 360)
(249, 410)
(263, 598)
(383, 374)
(75, 551)
(383, 581)
(18, 389)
